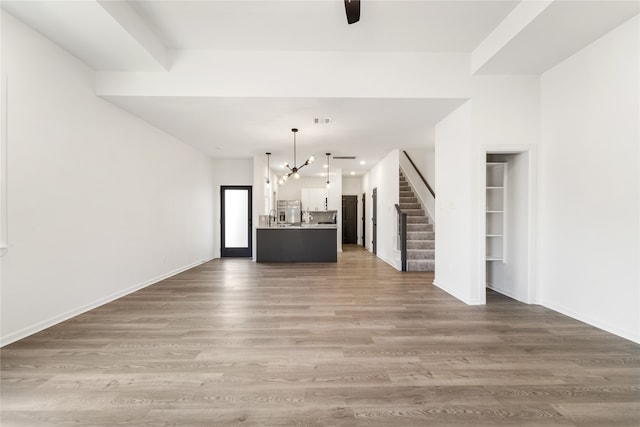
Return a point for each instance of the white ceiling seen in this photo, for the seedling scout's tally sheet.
(549, 38)
(433, 26)
(367, 128)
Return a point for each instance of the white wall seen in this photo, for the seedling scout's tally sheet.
(589, 187)
(425, 160)
(99, 202)
(334, 200)
(384, 176)
(454, 270)
(232, 172)
(352, 186)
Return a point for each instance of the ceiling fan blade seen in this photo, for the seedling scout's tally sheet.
(352, 8)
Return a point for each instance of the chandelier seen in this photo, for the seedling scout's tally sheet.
(294, 170)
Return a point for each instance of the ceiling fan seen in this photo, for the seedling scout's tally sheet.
(352, 7)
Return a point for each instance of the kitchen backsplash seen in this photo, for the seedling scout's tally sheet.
(319, 217)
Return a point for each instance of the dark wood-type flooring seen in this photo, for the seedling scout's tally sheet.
(355, 343)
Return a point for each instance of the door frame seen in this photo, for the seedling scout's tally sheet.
(479, 290)
(236, 252)
(364, 220)
(374, 221)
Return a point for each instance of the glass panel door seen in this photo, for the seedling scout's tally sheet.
(235, 209)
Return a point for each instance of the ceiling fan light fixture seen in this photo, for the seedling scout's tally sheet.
(352, 7)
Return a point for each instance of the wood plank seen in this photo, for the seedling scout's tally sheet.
(348, 343)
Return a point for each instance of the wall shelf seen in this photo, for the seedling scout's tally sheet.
(495, 242)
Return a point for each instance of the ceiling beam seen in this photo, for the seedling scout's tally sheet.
(519, 18)
(131, 22)
(297, 74)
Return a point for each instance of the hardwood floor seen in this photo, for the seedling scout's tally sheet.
(232, 342)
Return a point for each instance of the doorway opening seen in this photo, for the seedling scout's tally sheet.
(508, 224)
(235, 221)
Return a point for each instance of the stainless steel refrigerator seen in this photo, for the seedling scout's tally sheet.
(289, 211)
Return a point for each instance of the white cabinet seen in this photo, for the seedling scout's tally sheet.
(314, 199)
(496, 211)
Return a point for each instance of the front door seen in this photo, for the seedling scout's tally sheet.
(350, 219)
(235, 221)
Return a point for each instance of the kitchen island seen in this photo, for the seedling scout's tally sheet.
(304, 243)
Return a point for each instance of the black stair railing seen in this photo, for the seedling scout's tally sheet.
(402, 236)
(421, 177)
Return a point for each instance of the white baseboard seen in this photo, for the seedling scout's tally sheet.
(505, 293)
(598, 323)
(40, 326)
(455, 294)
(393, 264)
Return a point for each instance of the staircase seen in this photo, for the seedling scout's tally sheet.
(420, 235)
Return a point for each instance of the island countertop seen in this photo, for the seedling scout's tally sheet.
(298, 243)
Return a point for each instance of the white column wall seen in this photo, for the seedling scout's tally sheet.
(99, 203)
(503, 115)
(454, 208)
(384, 176)
(589, 186)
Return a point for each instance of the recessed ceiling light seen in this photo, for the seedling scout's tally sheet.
(325, 166)
(362, 162)
(353, 173)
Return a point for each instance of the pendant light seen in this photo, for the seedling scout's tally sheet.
(294, 170)
(268, 167)
(328, 182)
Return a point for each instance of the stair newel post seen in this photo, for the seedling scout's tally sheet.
(402, 235)
(403, 248)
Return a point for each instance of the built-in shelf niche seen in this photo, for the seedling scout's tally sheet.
(495, 211)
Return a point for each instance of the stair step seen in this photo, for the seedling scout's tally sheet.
(412, 212)
(404, 206)
(421, 253)
(419, 227)
(420, 235)
(408, 200)
(417, 219)
(421, 244)
(421, 265)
